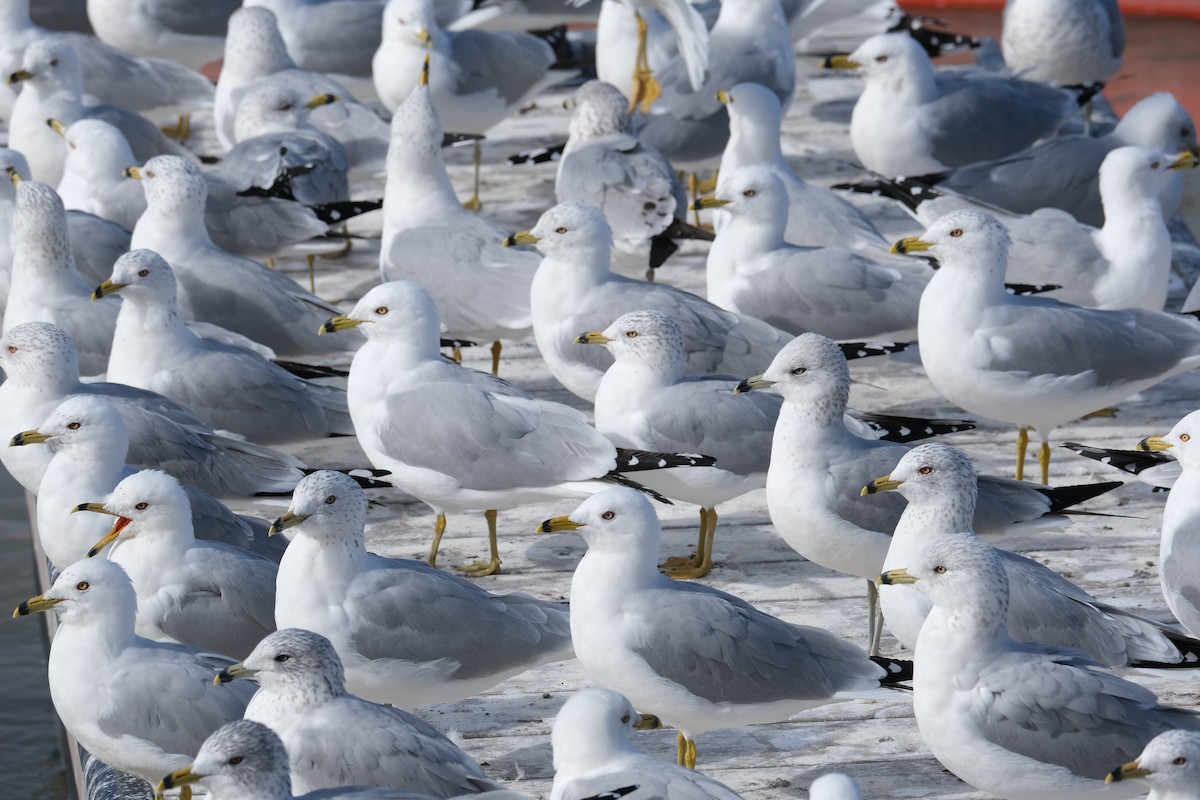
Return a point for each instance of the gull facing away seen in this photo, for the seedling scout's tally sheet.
(188, 32)
(697, 658)
(1063, 42)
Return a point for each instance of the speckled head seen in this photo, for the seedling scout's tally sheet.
(253, 44)
(241, 759)
(416, 133)
(141, 275)
(1170, 764)
(36, 353)
(811, 370)
(600, 109)
(936, 473)
(40, 228)
(174, 186)
(961, 574)
(300, 662)
(327, 504)
(648, 337)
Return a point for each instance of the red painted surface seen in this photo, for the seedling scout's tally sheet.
(1177, 8)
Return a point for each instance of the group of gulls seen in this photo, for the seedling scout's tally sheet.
(155, 363)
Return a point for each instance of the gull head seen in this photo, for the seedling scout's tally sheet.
(752, 106)
(97, 150)
(810, 370)
(11, 162)
(149, 503)
(1138, 171)
(1170, 764)
(301, 663)
(1179, 443)
(1158, 122)
(754, 193)
(275, 108)
(173, 186)
(241, 759)
(891, 58)
(592, 728)
(39, 354)
(254, 48)
(931, 473)
(39, 229)
(140, 274)
(416, 132)
(958, 574)
(618, 520)
(51, 64)
(576, 233)
(91, 589)
(81, 421)
(409, 22)
(326, 504)
(970, 239)
(599, 109)
(399, 312)
(646, 337)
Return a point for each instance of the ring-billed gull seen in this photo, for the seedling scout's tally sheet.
(255, 53)
(45, 285)
(90, 443)
(1062, 172)
(1157, 469)
(1178, 548)
(94, 172)
(697, 658)
(481, 289)
(593, 753)
(302, 697)
(912, 119)
(575, 290)
(154, 350)
(1168, 764)
(461, 440)
(633, 42)
(331, 36)
(189, 590)
(191, 33)
(1017, 720)
(137, 705)
(407, 634)
(1064, 42)
(816, 216)
(470, 88)
(52, 88)
(828, 290)
(819, 466)
(1030, 361)
(215, 285)
(940, 486)
(42, 370)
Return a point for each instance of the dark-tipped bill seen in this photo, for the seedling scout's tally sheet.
(709, 201)
(232, 673)
(559, 525)
(180, 777)
(884, 484)
(27, 437)
(752, 383)
(288, 520)
(107, 288)
(839, 61)
(913, 244)
(1126, 772)
(895, 577)
(520, 237)
(18, 76)
(647, 722)
(1154, 444)
(34, 605)
(339, 323)
(592, 337)
(319, 100)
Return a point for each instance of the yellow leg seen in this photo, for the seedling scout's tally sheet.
(710, 185)
(677, 562)
(181, 130)
(271, 263)
(680, 749)
(496, 357)
(312, 272)
(646, 88)
(708, 532)
(874, 619)
(478, 569)
(474, 204)
(439, 530)
(185, 793)
(1044, 461)
(693, 185)
(456, 354)
(690, 758)
(1022, 446)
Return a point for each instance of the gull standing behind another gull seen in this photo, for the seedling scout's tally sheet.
(215, 285)
(697, 658)
(828, 290)
(1168, 764)
(817, 217)
(593, 754)
(140, 706)
(94, 177)
(189, 32)
(940, 485)
(461, 440)
(42, 370)
(45, 284)
(329, 36)
(477, 79)
(1020, 721)
(1063, 42)
(90, 443)
(575, 290)
(1033, 362)
(196, 592)
(407, 634)
(819, 466)
(230, 388)
(336, 739)
(911, 119)
(480, 287)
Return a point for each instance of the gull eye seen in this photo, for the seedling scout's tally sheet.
(282, 657)
(143, 273)
(1155, 164)
(926, 470)
(73, 426)
(142, 506)
(560, 229)
(286, 107)
(1184, 131)
(1185, 437)
(608, 515)
(233, 762)
(54, 62)
(382, 311)
(881, 59)
(631, 334)
(799, 371)
(1179, 762)
(331, 499)
(956, 233)
(749, 193)
(939, 569)
(625, 720)
(83, 586)
(12, 348)
(149, 173)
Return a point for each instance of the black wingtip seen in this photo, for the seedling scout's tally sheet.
(621, 480)
(1132, 461)
(539, 155)
(630, 460)
(898, 670)
(855, 350)
(1064, 497)
(913, 429)
(334, 213)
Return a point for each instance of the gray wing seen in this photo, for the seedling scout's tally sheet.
(1056, 707)
(703, 415)
(635, 187)
(165, 693)
(210, 18)
(351, 742)
(312, 164)
(980, 118)
(1004, 501)
(722, 649)
(526, 60)
(1050, 246)
(407, 609)
(228, 603)
(116, 77)
(213, 522)
(339, 37)
(96, 244)
(145, 139)
(256, 226)
(1054, 341)
(854, 466)
(833, 292)
(486, 441)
